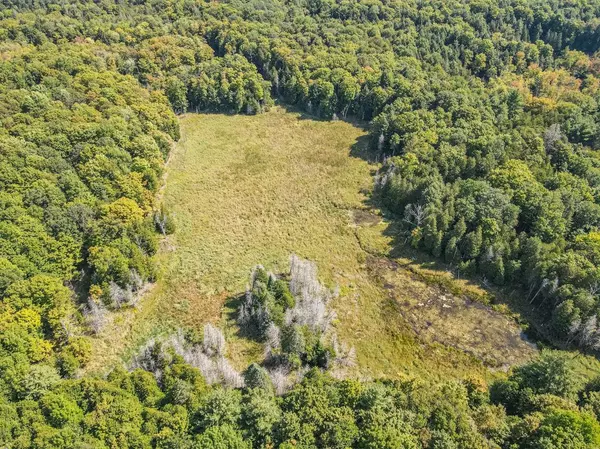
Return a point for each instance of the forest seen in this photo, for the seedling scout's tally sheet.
(485, 116)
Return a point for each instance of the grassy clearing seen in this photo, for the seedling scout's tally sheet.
(254, 189)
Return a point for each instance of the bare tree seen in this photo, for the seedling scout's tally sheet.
(552, 135)
(311, 297)
(229, 376)
(310, 308)
(67, 327)
(161, 220)
(589, 334)
(415, 214)
(544, 283)
(207, 367)
(345, 110)
(136, 280)
(195, 356)
(120, 296)
(151, 357)
(380, 142)
(96, 315)
(385, 174)
(574, 329)
(303, 277)
(489, 254)
(208, 357)
(273, 337)
(214, 341)
(246, 307)
(280, 379)
(252, 312)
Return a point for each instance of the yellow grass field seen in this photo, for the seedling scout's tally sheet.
(247, 190)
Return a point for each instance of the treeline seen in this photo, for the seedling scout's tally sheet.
(501, 179)
(179, 63)
(82, 149)
(181, 392)
(328, 57)
(178, 410)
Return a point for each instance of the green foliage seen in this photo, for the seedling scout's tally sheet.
(60, 410)
(81, 155)
(221, 437)
(294, 335)
(74, 355)
(37, 381)
(177, 94)
(146, 388)
(44, 294)
(135, 410)
(551, 373)
(219, 408)
(256, 376)
(543, 384)
(566, 429)
(260, 413)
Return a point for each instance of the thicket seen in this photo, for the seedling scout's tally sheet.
(82, 148)
(294, 322)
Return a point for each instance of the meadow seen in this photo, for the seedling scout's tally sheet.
(248, 190)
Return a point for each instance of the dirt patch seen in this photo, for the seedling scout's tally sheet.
(362, 217)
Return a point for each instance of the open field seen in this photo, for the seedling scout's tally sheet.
(246, 190)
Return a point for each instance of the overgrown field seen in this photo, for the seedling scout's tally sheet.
(245, 190)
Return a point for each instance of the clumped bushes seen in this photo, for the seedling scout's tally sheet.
(292, 318)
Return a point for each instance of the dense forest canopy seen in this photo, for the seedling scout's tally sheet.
(487, 117)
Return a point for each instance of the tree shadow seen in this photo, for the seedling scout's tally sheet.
(361, 149)
(444, 275)
(193, 111)
(303, 114)
(81, 286)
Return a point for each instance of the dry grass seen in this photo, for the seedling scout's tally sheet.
(253, 189)
(437, 315)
